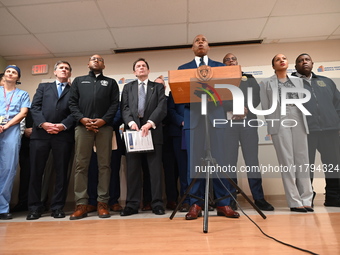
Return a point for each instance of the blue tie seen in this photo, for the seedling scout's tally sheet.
(141, 100)
(202, 63)
(60, 88)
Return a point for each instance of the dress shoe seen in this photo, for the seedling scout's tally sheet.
(58, 213)
(128, 211)
(233, 205)
(147, 207)
(33, 215)
(20, 207)
(309, 209)
(91, 208)
(227, 212)
(103, 210)
(171, 205)
(298, 209)
(5, 216)
(184, 207)
(334, 203)
(263, 205)
(116, 207)
(195, 211)
(80, 212)
(158, 210)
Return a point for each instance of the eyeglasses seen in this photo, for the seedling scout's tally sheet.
(230, 59)
(98, 59)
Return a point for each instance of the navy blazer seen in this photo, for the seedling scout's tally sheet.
(175, 116)
(192, 115)
(192, 64)
(48, 107)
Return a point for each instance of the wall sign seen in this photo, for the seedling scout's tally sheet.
(40, 69)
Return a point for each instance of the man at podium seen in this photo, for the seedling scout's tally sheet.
(195, 140)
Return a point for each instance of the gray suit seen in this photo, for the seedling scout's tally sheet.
(155, 110)
(266, 94)
(290, 144)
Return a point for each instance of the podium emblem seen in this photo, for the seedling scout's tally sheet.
(204, 73)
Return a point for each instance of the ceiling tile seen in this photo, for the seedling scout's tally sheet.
(9, 25)
(301, 26)
(44, 18)
(294, 7)
(234, 30)
(102, 25)
(91, 40)
(228, 10)
(13, 45)
(32, 2)
(136, 37)
(143, 13)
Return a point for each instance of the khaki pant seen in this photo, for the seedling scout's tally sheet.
(85, 140)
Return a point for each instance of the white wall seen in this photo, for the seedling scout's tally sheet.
(162, 61)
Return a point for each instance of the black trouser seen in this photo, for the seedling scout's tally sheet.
(327, 143)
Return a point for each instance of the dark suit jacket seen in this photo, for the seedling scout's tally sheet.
(192, 64)
(155, 107)
(117, 122)
(47, 107)
(193, 115)
(175, 116)
(25, 141)
(248, 81)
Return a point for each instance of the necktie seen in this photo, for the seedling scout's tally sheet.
(141, 100)
(202, 62)
(60, 88)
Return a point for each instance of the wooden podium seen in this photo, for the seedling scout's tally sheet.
(184, 84)
(186, 87)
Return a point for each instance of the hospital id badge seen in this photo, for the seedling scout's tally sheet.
(3, 120)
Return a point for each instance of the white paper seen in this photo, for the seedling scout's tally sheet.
(136, 143)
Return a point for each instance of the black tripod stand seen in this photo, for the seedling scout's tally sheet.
(209, 161)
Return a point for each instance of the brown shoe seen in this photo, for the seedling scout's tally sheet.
(195, 211)
(184, 207)
(227, 212)
(147, 207)
(103, 210)
(80, 212)
(116, 208)
(91, 208)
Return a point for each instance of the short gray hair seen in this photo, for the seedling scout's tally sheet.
(62, 62)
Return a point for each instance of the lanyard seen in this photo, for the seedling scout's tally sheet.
(10, 100)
